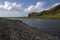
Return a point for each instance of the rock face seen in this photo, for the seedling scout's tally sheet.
(17, 30)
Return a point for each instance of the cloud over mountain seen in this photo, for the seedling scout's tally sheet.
(13, 9)
(56, 4)
(38, 7)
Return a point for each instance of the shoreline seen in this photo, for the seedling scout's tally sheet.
(19, 30)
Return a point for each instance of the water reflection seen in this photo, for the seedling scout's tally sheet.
(52, 26)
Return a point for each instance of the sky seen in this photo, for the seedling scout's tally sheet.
(21, 8)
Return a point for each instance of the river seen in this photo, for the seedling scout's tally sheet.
(50, 26)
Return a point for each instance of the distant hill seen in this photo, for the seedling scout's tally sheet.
(52, 13)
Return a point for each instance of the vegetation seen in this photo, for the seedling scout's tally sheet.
(53, 13)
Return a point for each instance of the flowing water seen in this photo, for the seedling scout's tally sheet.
(51, 26)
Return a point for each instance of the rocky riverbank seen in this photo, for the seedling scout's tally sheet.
(17, 30)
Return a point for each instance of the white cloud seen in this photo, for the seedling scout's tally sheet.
(11, 10)
(53, 6)
(10, 6)
(30, 8)
(39, 4)
(37, 8)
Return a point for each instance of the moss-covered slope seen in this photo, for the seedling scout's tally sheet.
(52, 13)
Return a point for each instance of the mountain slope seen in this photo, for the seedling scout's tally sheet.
(52, 13)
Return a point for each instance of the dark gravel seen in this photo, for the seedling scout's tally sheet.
(17, 30)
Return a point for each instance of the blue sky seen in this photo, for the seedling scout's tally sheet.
(18, 8)
(30, 2)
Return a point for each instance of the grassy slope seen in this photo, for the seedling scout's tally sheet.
(49, 15)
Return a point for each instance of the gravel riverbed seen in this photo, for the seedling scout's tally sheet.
(17, 30)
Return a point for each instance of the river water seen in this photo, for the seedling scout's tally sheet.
(51, 26)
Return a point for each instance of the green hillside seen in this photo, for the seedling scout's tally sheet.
(53, 13)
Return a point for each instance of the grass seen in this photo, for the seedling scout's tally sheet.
(48, 16)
